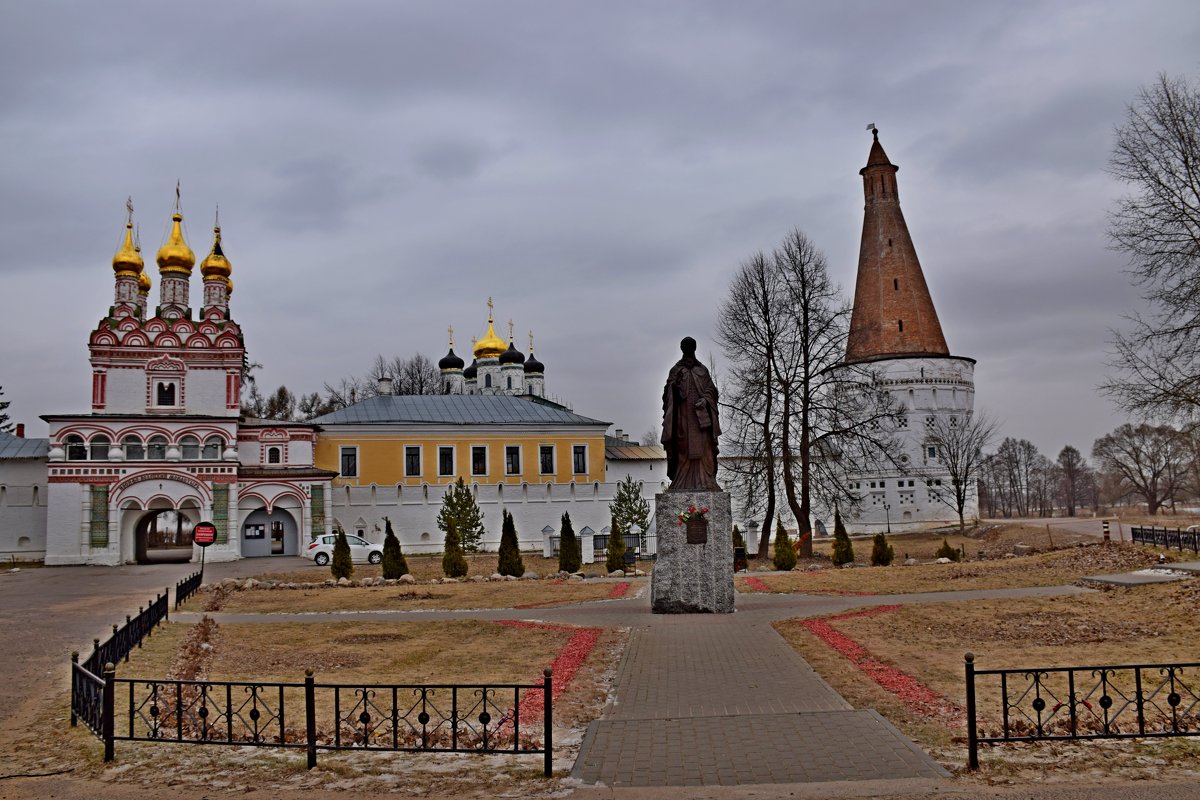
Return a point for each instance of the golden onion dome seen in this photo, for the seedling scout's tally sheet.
(491, 345)
(216, 265)
(175, 255)
(128, 260)
(229, 287)
(143, 283)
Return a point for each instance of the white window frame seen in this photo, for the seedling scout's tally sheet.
(507, 448)
(585, 459)
(453, 459)
(341, 460)
(553, 460)
(486, 457)
(418, 448)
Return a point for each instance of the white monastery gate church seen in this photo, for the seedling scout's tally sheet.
(163, 448)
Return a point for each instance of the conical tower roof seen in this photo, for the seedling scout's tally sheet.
(893, 313)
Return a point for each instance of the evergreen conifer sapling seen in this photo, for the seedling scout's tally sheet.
(615, 559)
(843, 550)
(784, 557)
(570, 552)
(454, 565)
(394, 563)
(459, 507)
(882, 553)
(510, 562)
(341, 566)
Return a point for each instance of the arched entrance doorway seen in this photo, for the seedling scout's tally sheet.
(272, 533)
(163, 536)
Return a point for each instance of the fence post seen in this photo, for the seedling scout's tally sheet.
(310, 716)
(548, 719)
(74, 680)
(972, 734)
(108, 714)
(167, 603)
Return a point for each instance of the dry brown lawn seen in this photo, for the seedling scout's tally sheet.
(427, 567)
(1145, 625)
(509, 594)
(1043, 569)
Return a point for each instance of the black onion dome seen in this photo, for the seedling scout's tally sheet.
(512, 355)
(532, 365)
(470, 372)
(450, 361)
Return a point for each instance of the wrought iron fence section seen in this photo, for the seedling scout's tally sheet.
(1088, 702)
(1168, 538)
(480, 718)
(128, 636)
(87, 697)
(188, 587)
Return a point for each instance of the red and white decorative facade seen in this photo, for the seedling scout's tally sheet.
(165, 434)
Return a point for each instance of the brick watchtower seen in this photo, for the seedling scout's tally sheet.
(895, 332)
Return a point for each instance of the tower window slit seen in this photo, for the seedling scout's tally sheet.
(900, 323)
(896, 284)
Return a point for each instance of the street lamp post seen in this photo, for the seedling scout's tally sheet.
(888, 516)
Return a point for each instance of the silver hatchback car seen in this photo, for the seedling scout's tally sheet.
(320, 550)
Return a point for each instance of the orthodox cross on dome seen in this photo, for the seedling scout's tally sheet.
(510, 329)
(531, 342)
(178, 200)
(217, 217)
(450, 331)
(491, 307)
(129, 209)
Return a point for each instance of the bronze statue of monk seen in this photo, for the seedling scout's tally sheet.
(690, 424)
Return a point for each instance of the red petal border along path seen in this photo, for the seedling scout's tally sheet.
(914, 694)
(564, 665)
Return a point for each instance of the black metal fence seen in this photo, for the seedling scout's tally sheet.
(493, 718)
(1167, 538)
(1098, 702)
(128, 636)
(188, 587)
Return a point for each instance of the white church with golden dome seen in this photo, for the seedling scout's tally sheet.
(496, 368)
(164, 446)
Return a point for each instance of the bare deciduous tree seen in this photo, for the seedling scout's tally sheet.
(1152, 460)
(1073, 473)
(959, 442)
(1157, 225)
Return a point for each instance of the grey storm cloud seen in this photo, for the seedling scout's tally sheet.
(600, 169)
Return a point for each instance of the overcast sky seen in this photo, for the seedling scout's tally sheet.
(600, 169)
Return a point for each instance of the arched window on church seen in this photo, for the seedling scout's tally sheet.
(190, 447)
(487, 380)
(156, 448)
(165, 396)
(212, 448)
(99, 448)
(76, 449)
(134, 449)
(510, 382)
(273, 455)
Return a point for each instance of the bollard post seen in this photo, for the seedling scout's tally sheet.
(108, 720)
(548, 719)
(310, 716)
(1107, 534)
(74, 664)
(972, 734)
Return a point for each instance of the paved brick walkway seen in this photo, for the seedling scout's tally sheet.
(723, 700)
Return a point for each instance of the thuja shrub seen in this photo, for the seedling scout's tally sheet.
(394, 563)
(882, 553)
(843, 550)
(341, 566)
(454, 564)
(948, 551)
(784, 558)
(570, 552)
(510, 562)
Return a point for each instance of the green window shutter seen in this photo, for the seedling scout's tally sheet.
(220, 511)
(98, 522)
(318, 511)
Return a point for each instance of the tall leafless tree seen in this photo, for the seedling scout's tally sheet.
(1157, 225)
(1073, 475)
(801, 416)
(959, 442)
(1152, 460)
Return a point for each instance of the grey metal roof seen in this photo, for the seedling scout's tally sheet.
(454, 410)
(14, 447)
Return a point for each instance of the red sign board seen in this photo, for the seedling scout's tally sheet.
(204, 534)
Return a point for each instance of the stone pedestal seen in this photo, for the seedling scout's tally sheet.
(692, 576)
